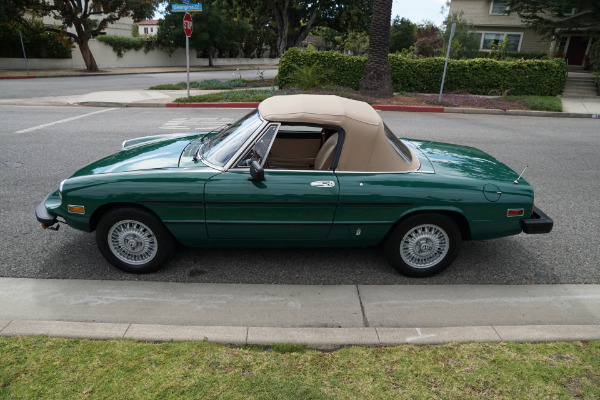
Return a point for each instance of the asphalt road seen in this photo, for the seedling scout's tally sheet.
(65, 86)
(43, 145)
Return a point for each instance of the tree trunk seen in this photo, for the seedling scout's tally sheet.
(377, 76)
(87, 55)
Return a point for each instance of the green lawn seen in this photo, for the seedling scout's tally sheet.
(235, 96)
(539, 103)
(48, 368)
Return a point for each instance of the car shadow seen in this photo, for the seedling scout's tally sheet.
(74, 255)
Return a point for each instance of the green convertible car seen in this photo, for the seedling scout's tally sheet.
(301, 170)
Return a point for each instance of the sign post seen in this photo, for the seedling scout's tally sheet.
(188, 27)
(446, 64)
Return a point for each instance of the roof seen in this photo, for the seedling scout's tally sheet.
(365, 147)
(149, 22)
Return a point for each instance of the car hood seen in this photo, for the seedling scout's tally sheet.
(152, 152)
(463, 161)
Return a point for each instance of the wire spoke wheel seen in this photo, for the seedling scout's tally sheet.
(424, 246)
(132, 242)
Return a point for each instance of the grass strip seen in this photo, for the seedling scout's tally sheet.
(214, 84)
(249, 95)
(539, 103)
(42, 367)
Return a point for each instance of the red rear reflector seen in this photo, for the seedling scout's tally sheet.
(515, 212)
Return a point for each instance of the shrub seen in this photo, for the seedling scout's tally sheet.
(595, 56)
(477, 76)
(44, 45)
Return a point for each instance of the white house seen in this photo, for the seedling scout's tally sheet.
(148, 27)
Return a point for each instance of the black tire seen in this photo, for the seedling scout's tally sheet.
(423, 245)
(134, 240)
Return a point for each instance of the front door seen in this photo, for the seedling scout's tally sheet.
(576, 51)
(287, 205)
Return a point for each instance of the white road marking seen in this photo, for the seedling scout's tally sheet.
(62, 121)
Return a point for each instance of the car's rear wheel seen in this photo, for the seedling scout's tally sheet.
(423, 245)
(133, 240)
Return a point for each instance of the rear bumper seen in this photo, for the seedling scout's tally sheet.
(43, 216)
(538, 223)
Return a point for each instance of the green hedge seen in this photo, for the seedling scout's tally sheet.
(476, 76)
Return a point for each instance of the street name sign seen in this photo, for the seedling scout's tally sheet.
(186, 7)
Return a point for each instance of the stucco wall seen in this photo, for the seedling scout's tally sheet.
(107, 58)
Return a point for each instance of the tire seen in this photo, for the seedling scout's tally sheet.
(423, 245)
(134, 240)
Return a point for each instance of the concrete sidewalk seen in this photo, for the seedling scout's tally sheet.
(319, 316)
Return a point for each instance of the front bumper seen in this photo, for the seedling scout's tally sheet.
(43, 216)
(538, 223)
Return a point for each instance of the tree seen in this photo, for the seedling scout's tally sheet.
(292, 20)
(213, 31)
(402, 34)
(377, 76)
(548, 17)
(428, 42)
(465, 39)
(76, 18)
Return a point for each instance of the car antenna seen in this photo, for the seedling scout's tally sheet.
(516, 182)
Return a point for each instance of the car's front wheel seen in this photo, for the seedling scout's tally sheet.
(423, 245)
(133, 240)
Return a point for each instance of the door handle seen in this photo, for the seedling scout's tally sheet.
(325, 184)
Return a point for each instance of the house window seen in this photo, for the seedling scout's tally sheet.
(497, 7)
(152, 30)
(145, 30)
(490, 40)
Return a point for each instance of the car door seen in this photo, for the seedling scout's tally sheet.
(286, 205)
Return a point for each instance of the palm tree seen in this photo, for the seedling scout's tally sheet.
(377, 76)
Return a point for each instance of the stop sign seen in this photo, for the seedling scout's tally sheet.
(187, 24)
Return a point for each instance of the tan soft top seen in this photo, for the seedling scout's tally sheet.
(366, 147)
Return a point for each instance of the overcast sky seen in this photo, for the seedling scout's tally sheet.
(419, 10)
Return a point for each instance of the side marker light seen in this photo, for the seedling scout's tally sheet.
(515, 212)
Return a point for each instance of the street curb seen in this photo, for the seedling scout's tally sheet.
(391, 107)
(318, 338)
(214, 105)
(523, 113)
(18, 77)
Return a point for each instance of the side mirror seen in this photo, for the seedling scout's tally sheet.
(257, 173)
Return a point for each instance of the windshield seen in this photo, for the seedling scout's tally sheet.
(219, 148)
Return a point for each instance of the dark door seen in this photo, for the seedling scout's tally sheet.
(576, 50)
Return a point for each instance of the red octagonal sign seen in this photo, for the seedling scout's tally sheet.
(187, 24)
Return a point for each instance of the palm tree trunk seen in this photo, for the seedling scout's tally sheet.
(377, 76)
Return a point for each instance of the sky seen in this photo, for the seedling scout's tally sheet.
(419, 10)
